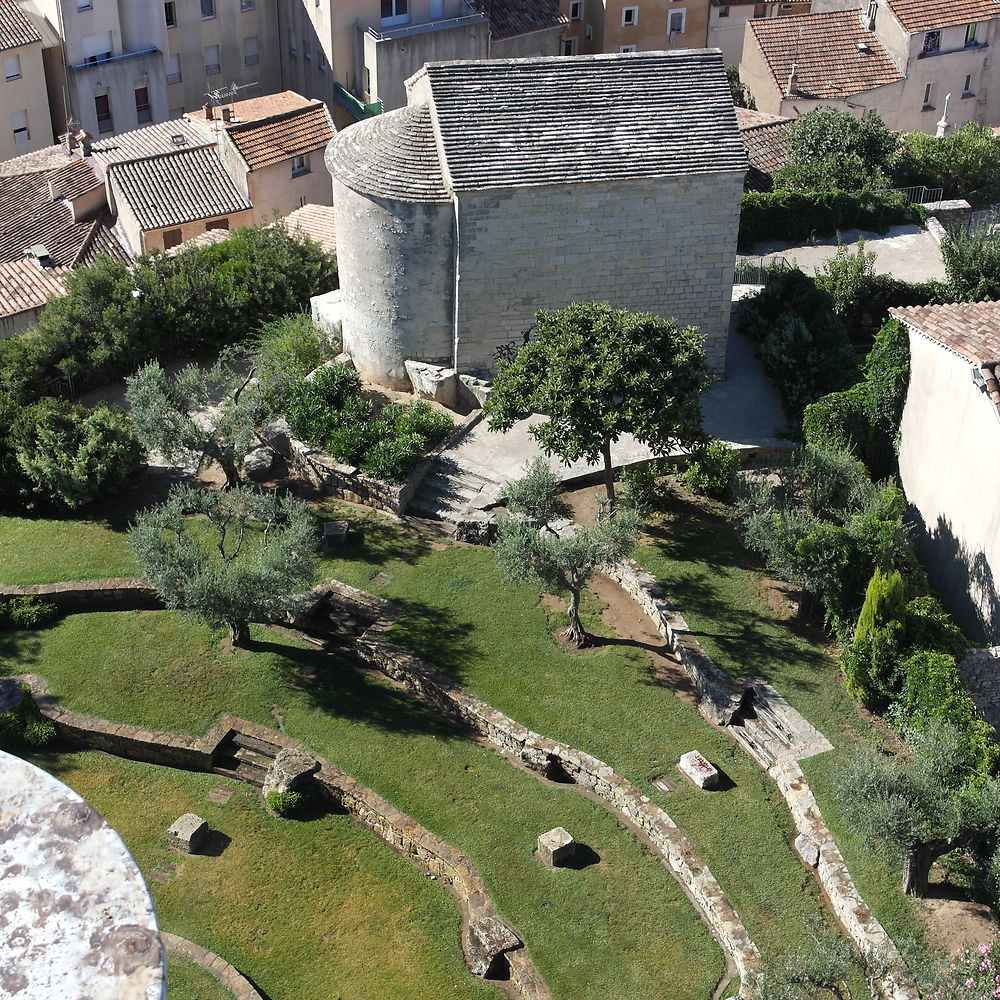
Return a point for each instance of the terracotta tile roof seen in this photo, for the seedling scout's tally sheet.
(763, 137)
(316, 222)
(31, 216)
(824, 49)
(16, 28)
(970, 329)
(178, 187)
(925, 15)
(24, 285)
(254, 109)
(292, 133)
(592, 118)
(517, 17)
(207, 238)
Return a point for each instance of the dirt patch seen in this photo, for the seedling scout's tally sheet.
(583, 503)
(780, 597)
(953, 923)
(632, 625)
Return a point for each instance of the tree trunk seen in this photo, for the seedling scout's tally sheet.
(917, 870)
(609, 475)
(239, 633)
(575, 631)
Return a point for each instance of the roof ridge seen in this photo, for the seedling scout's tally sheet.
(163, 154)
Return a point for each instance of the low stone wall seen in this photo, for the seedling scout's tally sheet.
(720, 695)
(421, 847)
(120, 593)
(552, 758)
(213, 964)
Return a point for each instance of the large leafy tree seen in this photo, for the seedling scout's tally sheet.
(920, 805)
(240, 560)
(598, 373)
(205, 414)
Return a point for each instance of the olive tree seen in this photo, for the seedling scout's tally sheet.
(598, 373)
(564, 562)
(238, 560)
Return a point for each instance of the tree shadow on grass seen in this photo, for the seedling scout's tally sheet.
(19, 651)
(437, 637)
(371, 539)
(338, 688)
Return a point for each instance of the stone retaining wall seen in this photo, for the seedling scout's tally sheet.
(721, 696)
(213, 964)
(119, 593)
(417, 844)
(614, 791)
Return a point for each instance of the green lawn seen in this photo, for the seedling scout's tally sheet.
(694, 552)
(620, 928)
(307, 910)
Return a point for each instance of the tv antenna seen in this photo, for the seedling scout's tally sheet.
(227, 94)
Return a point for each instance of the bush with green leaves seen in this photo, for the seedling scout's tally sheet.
(639, 485)
(287, 347)
(69, 455)
(795, 216)
(972, 262)
(328, 411)
(711, 470)
(25, 727)
(960, 163)
(118, 316)
(537, 494)
(286, 803)
(26, 612)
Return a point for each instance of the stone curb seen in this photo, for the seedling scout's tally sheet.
(418, 845)
(116, 593)
(217, 967)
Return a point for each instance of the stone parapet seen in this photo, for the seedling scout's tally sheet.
(119, 593)
(213, 964)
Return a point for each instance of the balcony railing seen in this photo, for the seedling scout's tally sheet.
(357, 107)
(105, 60)
(407, 30)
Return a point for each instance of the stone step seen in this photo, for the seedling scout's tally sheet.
(450, 465)
(253, 743)
(751, 737)
(435, 509)
(254, 758)
(450, 486)
(241, 772)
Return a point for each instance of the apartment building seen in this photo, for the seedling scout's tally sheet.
(25, 116)
(918, 64)
(634, 25)
(129, 63)
(727, 22)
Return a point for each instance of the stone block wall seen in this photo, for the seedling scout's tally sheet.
(75, 596)
(660, 245)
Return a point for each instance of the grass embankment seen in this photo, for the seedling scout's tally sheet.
(720, 588)
(617, 929)
(308, 910)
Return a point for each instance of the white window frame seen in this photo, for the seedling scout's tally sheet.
(928, 96)
(174, 60)
(723, 12)
(400, 13)
(251, 58)
(300, 165)
(208, 5)
(171, 5)
(12, 62)
(630, 17)
(682, 11)
(626, 48)
(576, 10)
(212, 68)
(967, 90)
(570, 46)
(970, 34)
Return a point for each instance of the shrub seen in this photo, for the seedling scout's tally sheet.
(929, 626)
(72, 454)
(972, 262)
(26, 612)
(391, 459)
(25, 726)
(710, 471)
(798, 215)
(289, 346)
(420, 418)
(960, 163)
(638, 486)
(285, 803)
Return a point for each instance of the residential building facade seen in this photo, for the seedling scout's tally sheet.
(634, 25)
(904, 59)
(727, 22)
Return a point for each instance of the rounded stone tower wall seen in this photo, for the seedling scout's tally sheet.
(395, 245)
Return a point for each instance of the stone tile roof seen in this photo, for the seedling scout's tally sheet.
(556, 120)
(517, 17)
(970, 329)
(16, 28)
(164, 137)
(393, 155)
(315, 221)
(763, 136)
(825, 51)
(293, 133)
(926, 15)
(173, 188)
(24, 285)
(46, 158)
(31, 216)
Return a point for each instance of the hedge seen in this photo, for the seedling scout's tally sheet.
(798, 215)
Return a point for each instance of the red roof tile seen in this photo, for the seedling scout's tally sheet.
(824, 48)
(291, 134)
(763, 137)
(517, 17)
(24, 285)
(316, 222)
(926, 15)
(16, 28)
(971, 329)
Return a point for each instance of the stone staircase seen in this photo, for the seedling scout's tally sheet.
(244, 757)
(767, 727)
(452, 488)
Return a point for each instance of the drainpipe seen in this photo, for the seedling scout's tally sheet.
(455, 267)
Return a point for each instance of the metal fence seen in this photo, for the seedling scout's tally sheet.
(758, 270)
(919, 195)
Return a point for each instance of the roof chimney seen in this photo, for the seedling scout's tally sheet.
(209, 113)
(42, 256)
(86, 142)
(793, 81)
(227, 114)
(69, 139)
